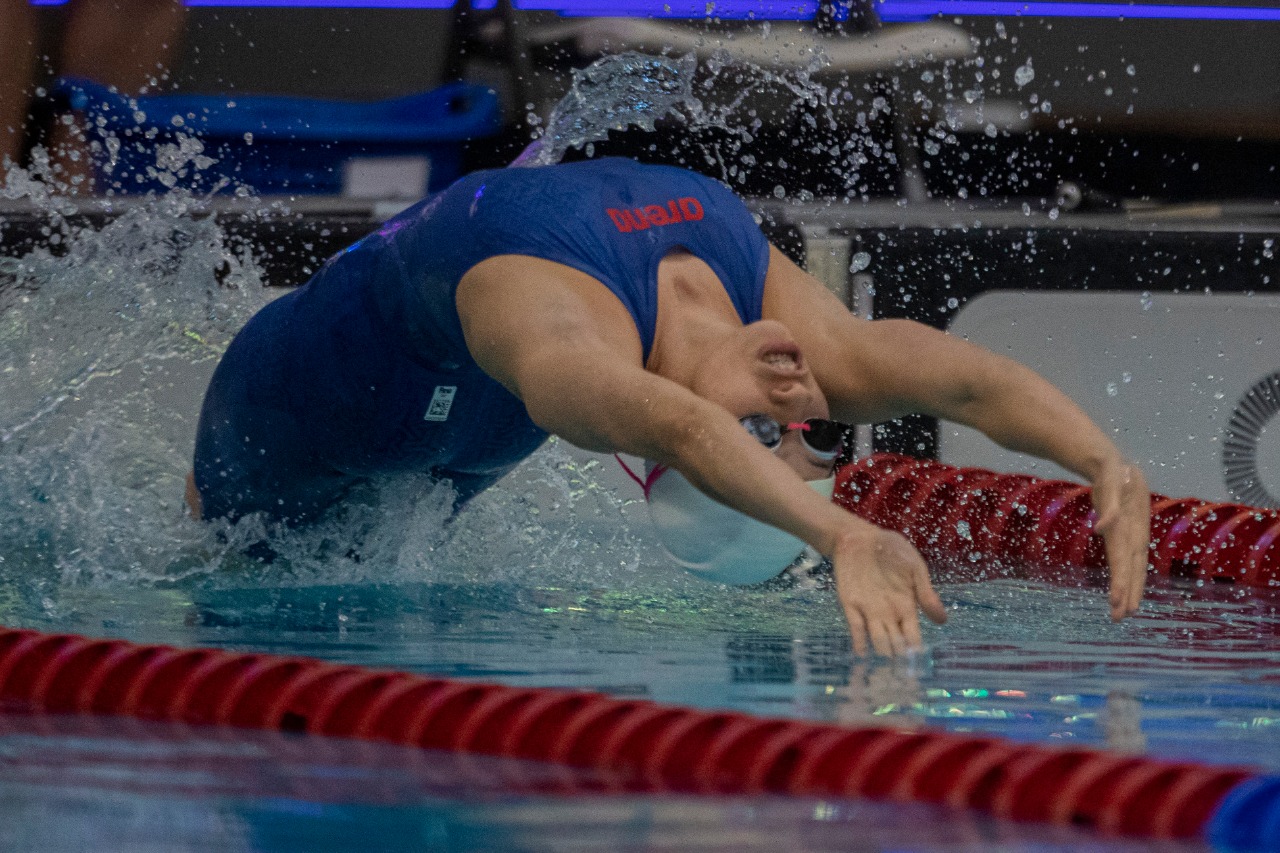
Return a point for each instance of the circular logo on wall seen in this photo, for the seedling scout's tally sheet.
(1251, 448)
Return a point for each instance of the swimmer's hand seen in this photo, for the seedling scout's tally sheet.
(1123, 504)
(882, 580)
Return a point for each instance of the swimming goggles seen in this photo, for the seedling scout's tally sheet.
(822, 438)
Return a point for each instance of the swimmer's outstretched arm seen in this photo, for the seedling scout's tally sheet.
(874, 371)
(568, 349)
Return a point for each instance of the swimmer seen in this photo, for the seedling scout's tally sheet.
(628, 309)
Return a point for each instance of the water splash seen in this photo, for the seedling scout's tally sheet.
(107, 338)
(613, 93)
(722, 107)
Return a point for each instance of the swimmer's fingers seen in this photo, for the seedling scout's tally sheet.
(1127, 556)
(912, 640)
(928, 598)
(857, 630)
(882, 581)
(1123, 504)
(887, 637)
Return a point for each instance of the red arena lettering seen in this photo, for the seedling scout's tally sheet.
(691, 208)
(657, 215)
(671, 212)
(618, 221)
(636, 219)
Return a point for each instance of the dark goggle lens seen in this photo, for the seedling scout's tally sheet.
(822, 437)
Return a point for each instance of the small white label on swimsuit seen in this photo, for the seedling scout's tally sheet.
(441, 403)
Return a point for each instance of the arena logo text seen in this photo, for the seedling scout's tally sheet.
(685, 209)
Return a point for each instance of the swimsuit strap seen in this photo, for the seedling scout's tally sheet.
(647, 483)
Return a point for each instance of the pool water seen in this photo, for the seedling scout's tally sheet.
(1189, 678)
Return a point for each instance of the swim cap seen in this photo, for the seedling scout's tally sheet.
(714, 542)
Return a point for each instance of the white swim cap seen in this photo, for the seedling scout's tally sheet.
(711, 540)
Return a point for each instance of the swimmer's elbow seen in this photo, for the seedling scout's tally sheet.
(570, 421)
(673, 433)
(652, 423)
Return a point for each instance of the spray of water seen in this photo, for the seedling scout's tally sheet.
(106, 339)
(614, 93)
(722, 105)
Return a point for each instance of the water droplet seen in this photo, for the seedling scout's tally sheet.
(1024, 74)
(861, 260)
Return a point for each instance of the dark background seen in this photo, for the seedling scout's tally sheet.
(1172, 110)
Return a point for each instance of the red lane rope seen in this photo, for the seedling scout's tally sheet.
(974, 518)
(640, 745)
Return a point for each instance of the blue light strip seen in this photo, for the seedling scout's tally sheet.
(915, 10)
(733, 9)
(762, 9)
(317, 4)
(803, 13)
(889, 10)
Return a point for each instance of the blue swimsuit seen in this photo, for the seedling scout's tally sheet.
(364, 370)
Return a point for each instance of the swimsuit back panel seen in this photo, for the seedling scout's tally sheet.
(365, 369)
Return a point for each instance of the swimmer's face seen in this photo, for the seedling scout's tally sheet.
(759, 369)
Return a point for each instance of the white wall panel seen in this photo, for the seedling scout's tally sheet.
(1175, 378)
